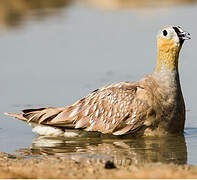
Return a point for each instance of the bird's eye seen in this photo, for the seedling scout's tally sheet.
(165, 32)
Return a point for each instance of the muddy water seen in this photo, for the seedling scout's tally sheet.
(54, 54)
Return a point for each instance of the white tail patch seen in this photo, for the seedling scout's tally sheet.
(46, 130)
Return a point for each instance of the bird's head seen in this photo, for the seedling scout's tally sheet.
(169, 42)
(171, 37)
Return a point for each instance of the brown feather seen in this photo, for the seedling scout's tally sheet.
(106, 110)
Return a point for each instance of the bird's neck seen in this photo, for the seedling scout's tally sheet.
(167, 59)
(166, 71)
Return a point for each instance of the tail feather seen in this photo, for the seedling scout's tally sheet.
(31, 110)
(46, 116)
(41, 115)
(64, 117)
(16, 115)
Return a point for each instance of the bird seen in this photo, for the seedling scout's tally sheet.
(152, 106)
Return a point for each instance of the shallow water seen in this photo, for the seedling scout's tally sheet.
(121, 150)
(54, 54)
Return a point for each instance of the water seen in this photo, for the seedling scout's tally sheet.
(135, 151)
(53, 54)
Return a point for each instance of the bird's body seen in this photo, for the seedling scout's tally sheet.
(153, 106)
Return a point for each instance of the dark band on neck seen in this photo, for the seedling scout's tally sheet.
(178, 34)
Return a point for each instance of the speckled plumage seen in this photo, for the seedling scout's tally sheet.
(153, 106)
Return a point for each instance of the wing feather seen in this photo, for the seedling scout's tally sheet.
(111, 109)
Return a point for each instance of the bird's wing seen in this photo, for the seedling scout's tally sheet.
(114, 109)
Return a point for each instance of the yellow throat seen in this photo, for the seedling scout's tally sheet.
(168, 53)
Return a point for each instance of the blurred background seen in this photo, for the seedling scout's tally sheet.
(53, 53)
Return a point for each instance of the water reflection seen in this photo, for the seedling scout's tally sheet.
(135, 151)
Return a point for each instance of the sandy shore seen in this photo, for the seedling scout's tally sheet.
(19, 166)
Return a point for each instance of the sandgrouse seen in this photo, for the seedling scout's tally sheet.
(153, 106)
